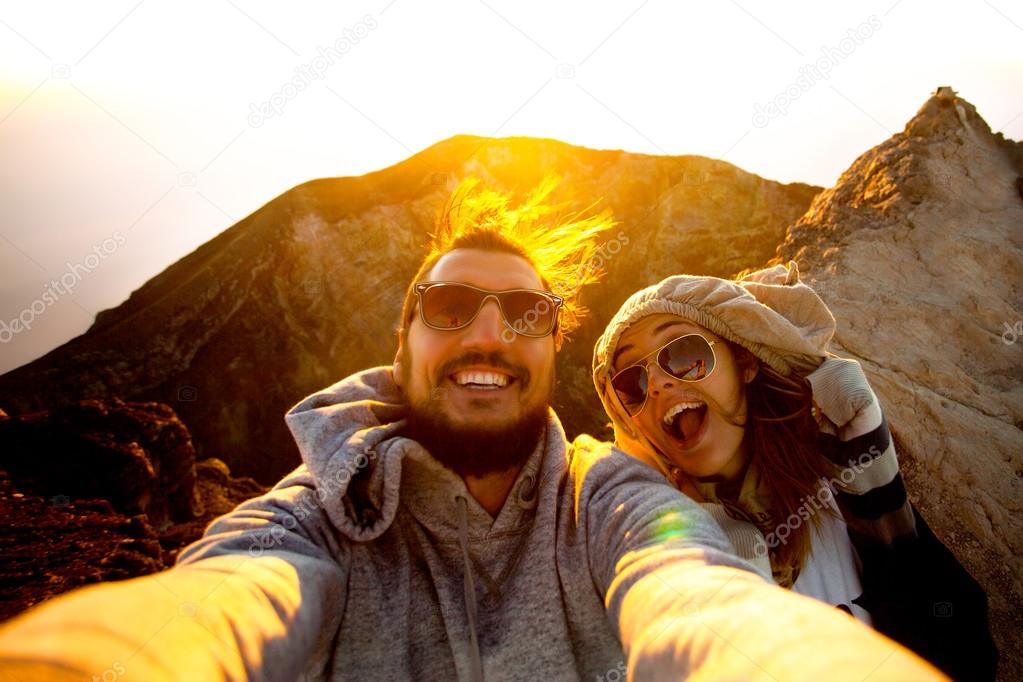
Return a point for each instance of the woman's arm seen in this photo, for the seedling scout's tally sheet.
(914, 587)
(685, 607)
(869, 488)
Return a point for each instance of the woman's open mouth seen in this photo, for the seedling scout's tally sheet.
(686, 422)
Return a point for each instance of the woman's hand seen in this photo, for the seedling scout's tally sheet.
(841, 392)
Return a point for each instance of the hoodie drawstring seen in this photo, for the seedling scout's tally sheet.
(469, 589)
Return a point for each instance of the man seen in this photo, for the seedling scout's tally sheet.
(441, 527)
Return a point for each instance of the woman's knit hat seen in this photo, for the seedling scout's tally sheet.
(782, 321)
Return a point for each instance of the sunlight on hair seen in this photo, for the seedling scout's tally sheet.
(560, 244)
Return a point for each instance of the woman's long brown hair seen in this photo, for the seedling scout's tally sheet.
(783, 439)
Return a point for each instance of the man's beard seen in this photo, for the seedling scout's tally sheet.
(471, 450)
(476, 450)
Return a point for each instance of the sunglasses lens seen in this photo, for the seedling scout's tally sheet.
(529, 312)
(689, 358)
(449, 306)
(630, 385)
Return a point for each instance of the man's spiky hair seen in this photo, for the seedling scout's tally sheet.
(560, 245)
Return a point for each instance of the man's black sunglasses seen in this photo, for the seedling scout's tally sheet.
(453, 305)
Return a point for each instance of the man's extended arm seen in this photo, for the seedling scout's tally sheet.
(686, 608)
(258, 597)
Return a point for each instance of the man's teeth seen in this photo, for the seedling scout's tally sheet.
(676, 409)
(489, 379)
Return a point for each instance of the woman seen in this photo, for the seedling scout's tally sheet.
(728, 389)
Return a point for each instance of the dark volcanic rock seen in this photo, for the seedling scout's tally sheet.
(99, 491)
(139, 456)
(49, 545)
(307, 289)
(217, 493)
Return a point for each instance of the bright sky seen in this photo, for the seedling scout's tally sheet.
(132, 132)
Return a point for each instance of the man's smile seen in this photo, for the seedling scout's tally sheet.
(481, 379)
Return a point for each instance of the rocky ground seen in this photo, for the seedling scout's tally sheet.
(57, 533)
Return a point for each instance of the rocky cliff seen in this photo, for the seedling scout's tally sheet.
(308, 289)
(918, 250)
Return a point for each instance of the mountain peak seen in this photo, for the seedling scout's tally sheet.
(946, 156)
(945, 112)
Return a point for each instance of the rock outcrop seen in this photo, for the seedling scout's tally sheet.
(308, 289)
(52, 545)
(139, 456)
(918, 250)
(99, 491)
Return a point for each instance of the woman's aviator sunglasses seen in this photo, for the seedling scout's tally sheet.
(453, 305)
(687, 358)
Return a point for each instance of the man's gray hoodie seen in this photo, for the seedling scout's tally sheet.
(407, 538)
(372, 561)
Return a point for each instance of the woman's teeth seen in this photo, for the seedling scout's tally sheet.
(669, 416)
(481, 380)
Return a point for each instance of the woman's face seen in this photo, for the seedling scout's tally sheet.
(699, 437)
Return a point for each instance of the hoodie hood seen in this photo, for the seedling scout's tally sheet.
(348, 437)
(770, 312)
